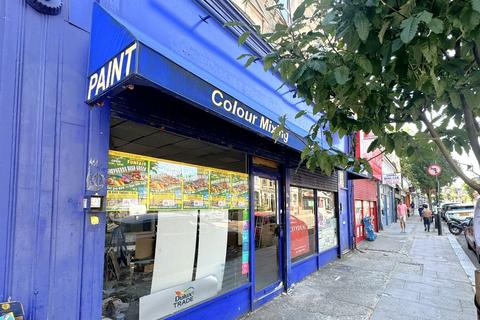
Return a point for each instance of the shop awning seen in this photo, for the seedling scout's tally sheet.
(123, 56)
(352, 175)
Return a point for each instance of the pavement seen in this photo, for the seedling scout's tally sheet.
(412, 275)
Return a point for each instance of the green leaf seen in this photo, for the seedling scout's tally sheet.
(425, 16)
(268, 60)
(439, 86)
(372, 3)
(243, 37)
(436, 25)
(341, 74)
(364, 63)
(240, 57)
(318, 65)
(300, 113)
(455, 99)
(328, 137)
(396, 44)
(409, 29)
(373, 145)
(362, 25)
(382, 31)
(299, 12)
(250, 60)
(476, 5)
(472, 100)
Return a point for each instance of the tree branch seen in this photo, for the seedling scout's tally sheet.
(443, 149)
(472, 131)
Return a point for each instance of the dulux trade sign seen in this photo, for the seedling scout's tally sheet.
(112, 72)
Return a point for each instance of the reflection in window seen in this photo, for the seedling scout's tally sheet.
(266, 232)
(327, 220)
(302, 223)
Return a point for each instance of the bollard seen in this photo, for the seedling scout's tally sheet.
(477, 293)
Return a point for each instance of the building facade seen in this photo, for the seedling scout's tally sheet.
(365, 195)
(141, 176)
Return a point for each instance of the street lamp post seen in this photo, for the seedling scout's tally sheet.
(435, 170)
(439, 220)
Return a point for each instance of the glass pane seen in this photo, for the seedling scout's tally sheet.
(302, 223)
(358, 212)
(327, 220)
(266, 233)
(177, 234)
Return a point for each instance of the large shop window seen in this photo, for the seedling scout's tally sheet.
(302, 223)
(177, 235)
(327, 220)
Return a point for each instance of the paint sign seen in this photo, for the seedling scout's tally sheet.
(112, 72)
(434, 170)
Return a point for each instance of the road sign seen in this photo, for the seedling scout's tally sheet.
(434, 170)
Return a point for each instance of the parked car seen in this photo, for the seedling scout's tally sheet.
(459, 211)
(445, 207)
(470, 238)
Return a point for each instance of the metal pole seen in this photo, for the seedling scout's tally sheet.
(439, 220)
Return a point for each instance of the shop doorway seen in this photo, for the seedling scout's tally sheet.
(343, 220)
(268, 235)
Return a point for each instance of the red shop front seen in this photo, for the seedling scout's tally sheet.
(365, 202)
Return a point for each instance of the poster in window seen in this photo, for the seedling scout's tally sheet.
(165, 185)
(219, 189)
(239, 193)
(299, 244)
(195, 187)
(127, 182)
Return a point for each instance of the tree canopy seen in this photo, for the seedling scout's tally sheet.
(414, 167)
(377, 65)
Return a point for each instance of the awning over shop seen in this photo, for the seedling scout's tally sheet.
(129, 51)
(352, 175)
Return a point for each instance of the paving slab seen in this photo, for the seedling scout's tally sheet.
(413, 275)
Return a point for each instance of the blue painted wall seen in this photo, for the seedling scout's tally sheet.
(44, 128)
(52, 257)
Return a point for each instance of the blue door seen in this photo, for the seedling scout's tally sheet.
(343, 220)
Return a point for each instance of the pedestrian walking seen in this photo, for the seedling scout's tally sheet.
(420, 211)
(427, 217)
(402, 214)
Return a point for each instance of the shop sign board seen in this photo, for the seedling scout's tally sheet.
(375, 157)
(392, 179)
(112, 72)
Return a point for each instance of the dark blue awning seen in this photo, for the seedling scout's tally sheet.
(167, 46)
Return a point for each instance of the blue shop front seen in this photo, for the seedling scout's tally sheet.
(192, 210)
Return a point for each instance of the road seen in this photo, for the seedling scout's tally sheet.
(470, 254)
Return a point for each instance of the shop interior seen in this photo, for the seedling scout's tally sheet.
(148, 181)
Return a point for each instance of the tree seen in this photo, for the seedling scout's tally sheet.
(414, 167)
(377, 65)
